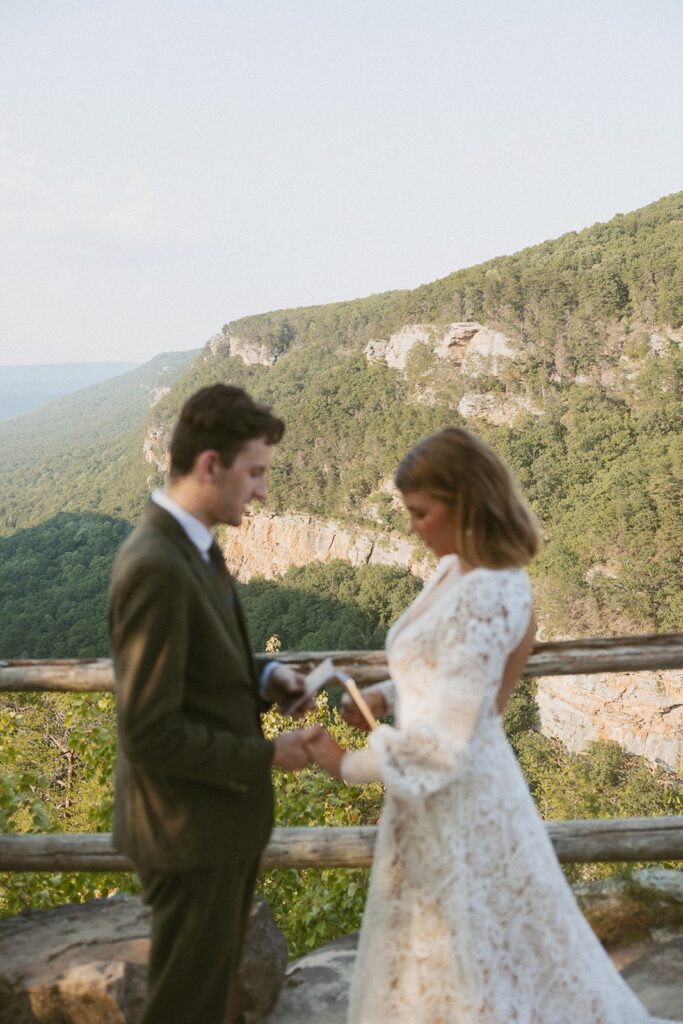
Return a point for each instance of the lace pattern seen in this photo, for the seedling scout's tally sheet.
(469, 919)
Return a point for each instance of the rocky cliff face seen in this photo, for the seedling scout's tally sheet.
(641, 711)
(267, 544)
(498, 409)
(478, 349)
(248, 351)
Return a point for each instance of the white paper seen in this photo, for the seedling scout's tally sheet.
(316, 679)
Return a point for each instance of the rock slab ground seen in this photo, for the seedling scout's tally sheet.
(315, 990)
(86, 964)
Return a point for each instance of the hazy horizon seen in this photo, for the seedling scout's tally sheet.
(168, 167)
(25, 387)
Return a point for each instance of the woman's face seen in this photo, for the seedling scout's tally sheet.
(433, 521)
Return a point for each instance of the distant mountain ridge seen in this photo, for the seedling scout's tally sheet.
(567, 357)
(83, 452)
(26, 387)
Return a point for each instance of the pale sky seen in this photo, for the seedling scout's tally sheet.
(170, 165)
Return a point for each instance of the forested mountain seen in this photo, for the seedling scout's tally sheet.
(59, 466)
(23, 388)
(567, 357)
(83, 452)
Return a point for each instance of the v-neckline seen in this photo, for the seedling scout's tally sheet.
(428, 597)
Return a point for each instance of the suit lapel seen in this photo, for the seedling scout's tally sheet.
(233, 618)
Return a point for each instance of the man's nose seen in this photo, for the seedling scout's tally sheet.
(261, 491)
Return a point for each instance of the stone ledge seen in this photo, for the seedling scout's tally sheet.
(86, 964)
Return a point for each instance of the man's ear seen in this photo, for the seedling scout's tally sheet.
(206, 465)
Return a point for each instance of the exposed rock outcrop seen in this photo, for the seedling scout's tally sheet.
(498, 409)
(248, 351)
(396, 350)
(267, 544)
(454, 343)
(641, 711)
(86, 964)
(486, 353)
(158, 394)
(647, 949)
(660, 342)
(478, 349)
(620, 910)
(155, 447)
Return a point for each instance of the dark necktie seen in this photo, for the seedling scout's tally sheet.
(227, 585)
(217, 563)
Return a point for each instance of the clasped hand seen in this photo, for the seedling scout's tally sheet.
(324, 750)
(284, 687)
(302, 747)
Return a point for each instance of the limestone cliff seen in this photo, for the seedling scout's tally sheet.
(267, 544)
(476, 348)
(641, 711)
(246, 349)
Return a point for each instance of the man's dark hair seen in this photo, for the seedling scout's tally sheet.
(223, 418)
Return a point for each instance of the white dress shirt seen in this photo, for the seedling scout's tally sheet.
(202, 538)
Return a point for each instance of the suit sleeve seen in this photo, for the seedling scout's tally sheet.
(149, 625)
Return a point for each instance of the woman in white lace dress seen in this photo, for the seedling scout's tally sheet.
(469, 919)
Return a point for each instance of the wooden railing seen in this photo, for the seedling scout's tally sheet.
(575, 842)
(655, 651)
(621, 839)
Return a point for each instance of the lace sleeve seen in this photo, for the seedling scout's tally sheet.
(359, 766)
(490, 620)
(388, 690)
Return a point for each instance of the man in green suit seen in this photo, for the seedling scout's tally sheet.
(193, 808)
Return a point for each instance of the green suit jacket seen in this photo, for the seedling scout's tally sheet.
(193, 785)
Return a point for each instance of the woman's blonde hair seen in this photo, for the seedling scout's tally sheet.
(493, 526)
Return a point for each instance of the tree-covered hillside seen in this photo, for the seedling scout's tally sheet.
(83, 452)
(26, 387)
(596, 441)
(598, 450)
(557, 297)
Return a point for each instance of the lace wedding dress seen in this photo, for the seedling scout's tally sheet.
(469, 919)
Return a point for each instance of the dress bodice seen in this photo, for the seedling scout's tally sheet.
(446, 656)
(469, 919)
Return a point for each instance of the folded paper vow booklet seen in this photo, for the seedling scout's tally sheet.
(325, 674)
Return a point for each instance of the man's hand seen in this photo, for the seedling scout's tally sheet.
(284, 687)
(351, 713)
(325, 752)
(291, 752)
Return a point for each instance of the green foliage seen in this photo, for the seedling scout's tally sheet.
(57, 753)
(601, 782)
(314, 906)
(320, 607)
(601, 463)
(521, 714)
(53, 587)
(83, 452)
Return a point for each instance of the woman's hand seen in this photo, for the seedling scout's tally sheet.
(351, 713)
(326, 752)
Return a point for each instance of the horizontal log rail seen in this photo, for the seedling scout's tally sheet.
(575, 842)
(585, 841)
(651, 652)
